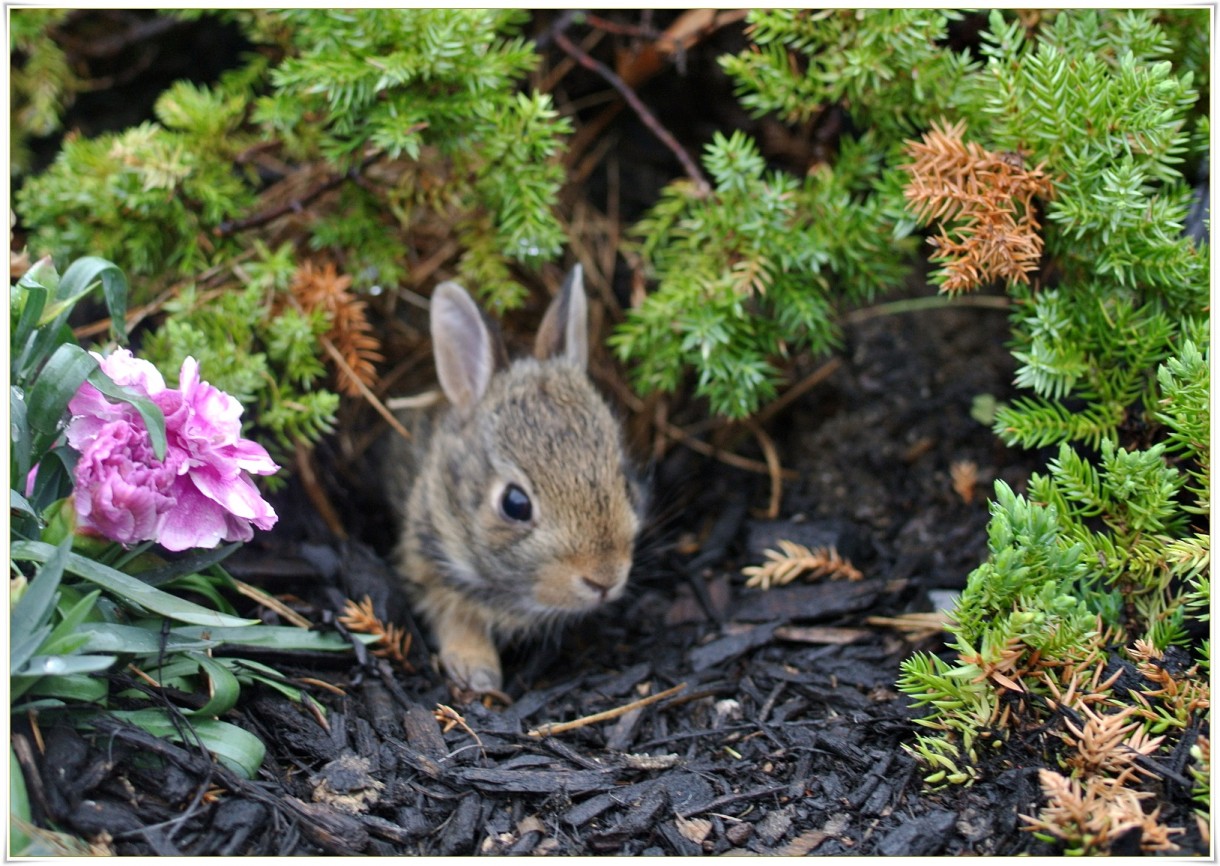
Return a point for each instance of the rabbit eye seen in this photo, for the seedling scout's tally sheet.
(515, 504)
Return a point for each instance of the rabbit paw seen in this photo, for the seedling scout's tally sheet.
(468, 656)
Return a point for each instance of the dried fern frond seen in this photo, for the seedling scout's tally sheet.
(324, 288)
(991, 198)
(393, 641)
(792, 560)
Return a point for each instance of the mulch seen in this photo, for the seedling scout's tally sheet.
(778, 729)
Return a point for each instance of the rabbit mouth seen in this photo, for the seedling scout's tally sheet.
(574, 591)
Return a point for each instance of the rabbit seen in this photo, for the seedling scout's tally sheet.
(521, 506)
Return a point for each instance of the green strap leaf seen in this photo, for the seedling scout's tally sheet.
(195, 561)
(237, 749)
(33, 299)
(154, 420)
(33, 610)
(280, 637)
(69, 625)
(75, 689)
(130, 590)
(115, 638)
(20, 460)
(57, 382)
(223, 687)
(21, 651)
(18, 503)
(58, 665)
(83, 274)
(20, 815)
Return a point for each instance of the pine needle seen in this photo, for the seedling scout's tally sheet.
(793, 560)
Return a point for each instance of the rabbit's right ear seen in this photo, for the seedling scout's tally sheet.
(462, 345)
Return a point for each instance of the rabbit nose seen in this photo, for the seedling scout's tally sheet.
(601, 589)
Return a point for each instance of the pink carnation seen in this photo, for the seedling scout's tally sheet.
(200, 495)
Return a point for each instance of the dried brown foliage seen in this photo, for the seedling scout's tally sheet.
(792, 560)
(393, 641)
(963, 475)
(1099, 802)
(324, 288)
(1108, 743)
(989, 199)
(1184, 694)
(1093, 814)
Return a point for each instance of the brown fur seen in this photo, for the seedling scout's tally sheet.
(476, 575)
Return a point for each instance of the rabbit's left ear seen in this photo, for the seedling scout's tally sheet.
(565, 327)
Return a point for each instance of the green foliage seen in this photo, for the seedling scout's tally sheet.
(403, 117)
(432, 92)
(1110, 544)
(891, 67)
(1106, 101)
(47, 367)
(269, 362)
(1088, 354)
(42, 84)
(745, 273)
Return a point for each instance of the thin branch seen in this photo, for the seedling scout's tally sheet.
(636, 30)
(932, 302)
(271, 602)
(232, 227)
(561, 727)
(313, 489)
(641, 110)
(368, 395)
(773, 467)
(728, 457)
(821, 374)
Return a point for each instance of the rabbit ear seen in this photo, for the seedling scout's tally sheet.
(462, 344)
(565, 327)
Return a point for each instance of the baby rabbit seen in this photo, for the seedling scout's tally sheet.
(522, 509)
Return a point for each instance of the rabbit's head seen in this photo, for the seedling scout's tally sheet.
(535, 509)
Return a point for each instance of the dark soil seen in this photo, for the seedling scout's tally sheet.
(785, 733)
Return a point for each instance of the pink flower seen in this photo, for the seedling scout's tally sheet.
(122, 490)
(200, 495)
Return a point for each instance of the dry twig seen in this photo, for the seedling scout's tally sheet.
(560, 727)
(315, 492)
(271, 603)
(646, 116)
(232, 227)
(449, 718)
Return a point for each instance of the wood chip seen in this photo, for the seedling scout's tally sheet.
(820, 634)
(693, 829)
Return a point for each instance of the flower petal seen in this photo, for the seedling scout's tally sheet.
(195, 521)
